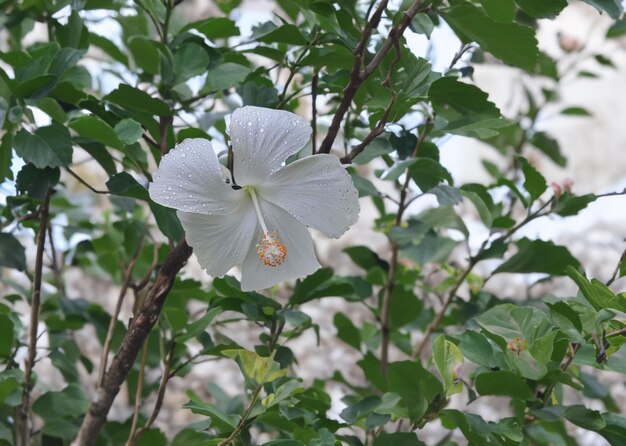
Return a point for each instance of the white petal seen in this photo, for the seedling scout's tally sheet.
(189, 178)
(317, 191)
(220, 241)
(262, 140)
(300, 260)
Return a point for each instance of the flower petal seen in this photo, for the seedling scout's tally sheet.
(262, 140)
(300, 260)
(189, 178)
(317, 191)
(220, 241)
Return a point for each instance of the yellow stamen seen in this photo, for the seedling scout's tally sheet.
(271, 251)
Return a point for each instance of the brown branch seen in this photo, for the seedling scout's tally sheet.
(131, 344)
(358, 75)
(160, 395)
(128, 273)
(86, 184)
(23, 426)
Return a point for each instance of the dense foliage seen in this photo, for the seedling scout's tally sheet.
(74, 101)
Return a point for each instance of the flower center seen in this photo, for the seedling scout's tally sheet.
(270, 249)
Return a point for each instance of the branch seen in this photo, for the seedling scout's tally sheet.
(84, 183)
(128, 274)
(358, 75)
(160, 395)
(24, 435)
(131, 344)
(393, 264)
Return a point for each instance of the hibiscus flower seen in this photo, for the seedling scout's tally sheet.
(256, 216)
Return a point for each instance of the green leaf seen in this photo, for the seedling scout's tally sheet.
(464, 108)
(398, 439)
(503, 383)
(480, 432)
(93, 127)
(512, 43)
(613, 8)
(125, 185)
(321, 283)
(404, 308)
(145, 54)
(190, 60)
(166, 219)
(585, 418)
(597, 294)
(12, 253)
(224, 76)
(219, 419)
(215, 27)
(361, 409)
(197, 327)
(549, 146)
(422, 24)
(70, 402)
(128, 130)
(509, 321)
(538, 256)
(137, 100)
(380, 146)
(346, 331)
(575, 111)
(108, 47)
(258, 369)
(49, 146)
(60, 428)
(427, 174)
(499, 10)
(541, 8)
(534, 183)
(365, 257)
(477, 348)
(8, 383)
(448, 358)
(417, 387)
(446, 195)
(617, 29)
(6, 324)
(36, 182)
(287, 33)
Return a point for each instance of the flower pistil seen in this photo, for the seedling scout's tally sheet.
(270, 249)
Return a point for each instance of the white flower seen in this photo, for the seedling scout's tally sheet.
(259, 224)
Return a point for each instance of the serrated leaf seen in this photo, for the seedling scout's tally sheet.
(447, 358)
(538, 256)
(503, 383)
(534, 183)
(512, 43)
(93, 127)
(49, 146)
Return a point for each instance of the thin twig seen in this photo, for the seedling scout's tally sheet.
(24, 423)
(128, 275)
(165, 377)
(86, 184)
(393, 264)
(138, 393)
(244, 418)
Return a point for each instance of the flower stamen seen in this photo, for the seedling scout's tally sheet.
(270, 249)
